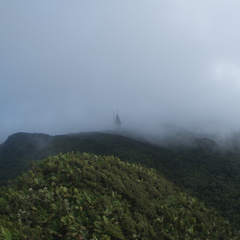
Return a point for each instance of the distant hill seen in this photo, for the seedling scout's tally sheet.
(87, 196)
(18, 150)
(200, 168)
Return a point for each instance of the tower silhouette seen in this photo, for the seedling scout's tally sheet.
(116, 120)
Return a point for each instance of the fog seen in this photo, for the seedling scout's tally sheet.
(65, 66)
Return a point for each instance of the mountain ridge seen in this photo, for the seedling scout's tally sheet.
(211, 176)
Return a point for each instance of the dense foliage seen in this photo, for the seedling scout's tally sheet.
(84, 196)
(17, 151)
(211, 176)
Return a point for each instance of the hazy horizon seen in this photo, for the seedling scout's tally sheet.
(66, 66)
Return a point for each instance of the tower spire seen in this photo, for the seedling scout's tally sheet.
(116, 119)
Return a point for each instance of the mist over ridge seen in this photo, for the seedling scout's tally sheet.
(167, 66)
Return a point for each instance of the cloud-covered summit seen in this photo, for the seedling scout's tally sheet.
(65, 66)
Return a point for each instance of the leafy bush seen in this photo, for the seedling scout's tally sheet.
(85, 196)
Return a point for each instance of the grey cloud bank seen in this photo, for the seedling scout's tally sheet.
(65, 66)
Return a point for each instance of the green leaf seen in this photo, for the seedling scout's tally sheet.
(36, 180)
(6, 235)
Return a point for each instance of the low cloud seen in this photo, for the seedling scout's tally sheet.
(65, 67)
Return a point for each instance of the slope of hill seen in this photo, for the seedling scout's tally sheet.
(18, 150)
(211, 176)
(85, 196)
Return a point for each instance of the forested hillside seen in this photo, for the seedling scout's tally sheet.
(85, 196)
(211, 176)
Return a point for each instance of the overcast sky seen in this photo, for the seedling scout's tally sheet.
(65, 66)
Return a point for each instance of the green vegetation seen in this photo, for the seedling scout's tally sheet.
(210, 176)
(17, 151)
(5, 234)
(86, 196)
